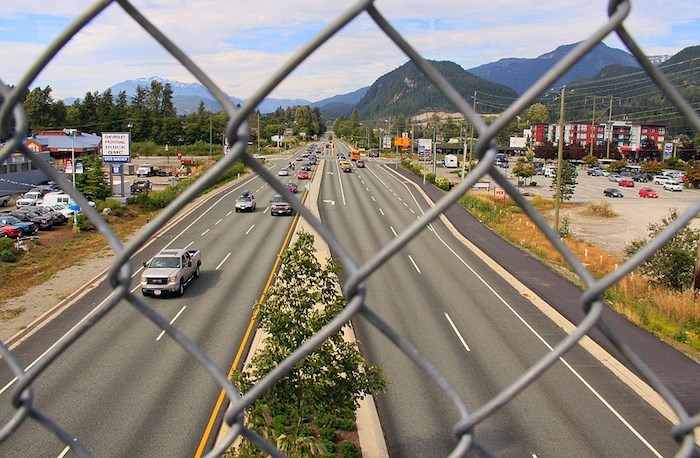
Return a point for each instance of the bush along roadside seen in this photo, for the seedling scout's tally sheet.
(311, 410)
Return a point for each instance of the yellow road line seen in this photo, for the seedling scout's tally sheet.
(246, 336)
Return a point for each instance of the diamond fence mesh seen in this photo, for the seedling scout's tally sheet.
(237, 135)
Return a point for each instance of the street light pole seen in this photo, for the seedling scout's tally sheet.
(560, 154)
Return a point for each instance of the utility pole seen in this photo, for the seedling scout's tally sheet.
(607, 154)
(560, 154)
(471, 134)
(594, 133)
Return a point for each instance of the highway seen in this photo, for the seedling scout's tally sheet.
(125, 388)
(480, 333)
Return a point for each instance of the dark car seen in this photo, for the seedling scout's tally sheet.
(58, 218)
(641, 178)
(139, 186)
(27, 228)
(280, 206)
(44, 223)
(612, 192)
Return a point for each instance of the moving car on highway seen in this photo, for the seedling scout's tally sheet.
(280, 206)
(245, 202)
(170, 271)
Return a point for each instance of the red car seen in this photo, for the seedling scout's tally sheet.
(360, 164)
(292, 187)
(303, 175)
(648, 192)
(626, 183)
(11, 231)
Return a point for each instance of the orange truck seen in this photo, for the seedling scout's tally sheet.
(354, 155)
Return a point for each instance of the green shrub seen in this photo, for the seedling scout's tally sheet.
(348, 449)
(7, 255)
(327, 433)
(330, 447)
(116, 208)
(84, 224)
(6, 244)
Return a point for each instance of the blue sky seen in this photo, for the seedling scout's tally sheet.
(240, 44)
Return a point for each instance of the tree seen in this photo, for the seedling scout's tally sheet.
(672, 265)
(568, 182)
(329, 381)
(537, 113)
(92, 181)
(524, 169)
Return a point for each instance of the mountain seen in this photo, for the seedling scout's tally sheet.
(408, 91)
(342, 104)
(519, 74)
(187, 96)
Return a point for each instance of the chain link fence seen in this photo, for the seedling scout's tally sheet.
(237, 134)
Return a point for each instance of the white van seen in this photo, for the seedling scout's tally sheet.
(54, 198)
(451, 161)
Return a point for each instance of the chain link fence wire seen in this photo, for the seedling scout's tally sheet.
(12, 113)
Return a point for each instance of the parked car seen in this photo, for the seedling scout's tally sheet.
(292, 187)
(672, 185)
(625, 183)
(614, 177)
(303, 175)
(612, 192)
(27, 228)
(4, 201)
(594, 171)
(29, 198)
(44, 223)
(641, 178)
(661, 179)
(245, 202)
(139, 186)
(58, 218)
(10, 231)
(280, 206)
(648, 192)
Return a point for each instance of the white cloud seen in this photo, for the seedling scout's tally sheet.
(113, 48)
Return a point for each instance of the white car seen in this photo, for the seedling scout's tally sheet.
(283, 172)
(662, 179)
(672, 185)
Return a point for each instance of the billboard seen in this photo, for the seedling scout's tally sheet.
(116, 147)
(425, 147)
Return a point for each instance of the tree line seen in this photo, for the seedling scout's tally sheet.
(150, 115)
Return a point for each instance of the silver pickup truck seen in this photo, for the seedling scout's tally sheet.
(170, 271)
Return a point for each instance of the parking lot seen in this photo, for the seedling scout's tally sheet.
(613, 234)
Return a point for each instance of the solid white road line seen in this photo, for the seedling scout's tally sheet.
(454, 328)
(172, 321)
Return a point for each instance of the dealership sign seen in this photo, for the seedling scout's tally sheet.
(116, 147)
